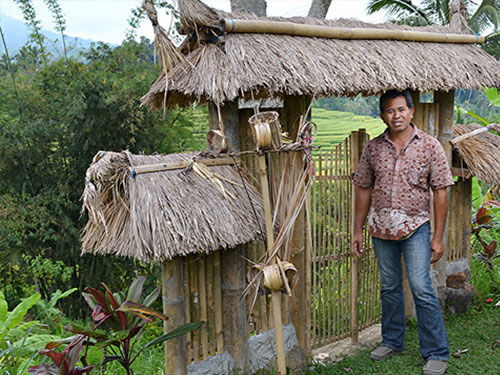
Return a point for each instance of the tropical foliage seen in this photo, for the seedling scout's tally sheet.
(482, 17)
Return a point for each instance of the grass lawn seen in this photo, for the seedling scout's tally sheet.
(477, 331)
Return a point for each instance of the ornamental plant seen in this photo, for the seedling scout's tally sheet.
(125, 319)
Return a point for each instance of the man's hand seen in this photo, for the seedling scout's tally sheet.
(357, 243)
(437, 249)
(440, 212)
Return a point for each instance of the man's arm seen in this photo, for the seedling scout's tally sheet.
(362, 206)
(440, 213)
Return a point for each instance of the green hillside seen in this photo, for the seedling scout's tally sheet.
(335, 126)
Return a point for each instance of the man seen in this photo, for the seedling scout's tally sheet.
(396, 174)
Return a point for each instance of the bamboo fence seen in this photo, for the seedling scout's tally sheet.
(333, 316)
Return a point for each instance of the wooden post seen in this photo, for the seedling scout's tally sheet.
(173, 306)
(233, 267)
(357, 140)
(300, 312)
(467, 202)
(445, 100)
(230, 123)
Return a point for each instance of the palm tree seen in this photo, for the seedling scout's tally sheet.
(481, 18)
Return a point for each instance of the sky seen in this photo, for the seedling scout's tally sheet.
(106, 20)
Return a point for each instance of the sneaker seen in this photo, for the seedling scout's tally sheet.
(435, 367)
(382, 353)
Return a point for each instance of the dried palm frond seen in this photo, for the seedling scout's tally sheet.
(270, 65)
(481, 152)
(159, 215)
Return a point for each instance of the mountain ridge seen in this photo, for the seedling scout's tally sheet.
(16, 34)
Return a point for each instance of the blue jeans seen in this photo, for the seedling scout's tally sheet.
(431, 330)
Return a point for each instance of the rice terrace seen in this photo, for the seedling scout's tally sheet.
(208, 189)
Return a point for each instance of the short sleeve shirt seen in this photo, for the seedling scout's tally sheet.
(401, 183)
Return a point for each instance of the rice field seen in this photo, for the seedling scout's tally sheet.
(335, 126)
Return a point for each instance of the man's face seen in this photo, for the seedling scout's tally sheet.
(397, 115)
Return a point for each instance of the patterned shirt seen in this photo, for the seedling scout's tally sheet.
(400, 184)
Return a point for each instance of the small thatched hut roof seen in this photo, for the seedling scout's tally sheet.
(481, 153)
(238, 64)
(156, 216)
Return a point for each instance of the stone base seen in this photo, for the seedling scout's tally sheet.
(261, 351)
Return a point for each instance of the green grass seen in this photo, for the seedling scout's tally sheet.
(478, 331)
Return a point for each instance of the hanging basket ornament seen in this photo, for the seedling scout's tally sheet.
(266, 130)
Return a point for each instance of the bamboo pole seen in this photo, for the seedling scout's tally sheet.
(329, 249)
(275, 295)
(314, 213)
(173, 306)
(318, 31)
(484, 129)
(140, 169)
(354, 260)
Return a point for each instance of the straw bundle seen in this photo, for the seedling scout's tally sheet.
(239, 65)
(156, 216)
(481, 152)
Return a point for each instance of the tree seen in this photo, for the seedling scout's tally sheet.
(259, 7)
(318, 9)
(429, 12)
(70, 110)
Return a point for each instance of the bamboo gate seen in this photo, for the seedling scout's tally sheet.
(345, 290)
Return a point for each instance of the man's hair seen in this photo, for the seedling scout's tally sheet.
(391, 94)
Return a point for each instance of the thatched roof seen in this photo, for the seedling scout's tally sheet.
(481, 153)
(270, 64)
(156, 216)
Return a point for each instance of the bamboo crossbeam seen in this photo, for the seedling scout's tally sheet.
(319, 31)
(139, 169)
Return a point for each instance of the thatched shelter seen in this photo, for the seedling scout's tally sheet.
(481, 153)
(221, 67)
(155, 216)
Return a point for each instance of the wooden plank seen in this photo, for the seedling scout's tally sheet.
(445, 101)
(467, 199)
(219, 338)
(173, 306)
(187, 311)
(354, 259)
(212, 347)
(195, 306)
(202, 289)
(346, 228)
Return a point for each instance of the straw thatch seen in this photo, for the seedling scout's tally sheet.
(156, 216)
(481, 153)
(268, 65)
